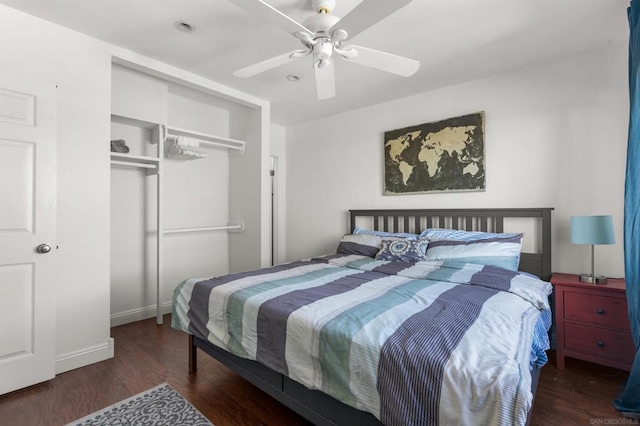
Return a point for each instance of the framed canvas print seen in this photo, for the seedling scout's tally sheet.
(442, 156)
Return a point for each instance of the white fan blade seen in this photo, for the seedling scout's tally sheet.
(270, 63)
(366, 14)
(384, 61)
(325, 79)
(272, 15)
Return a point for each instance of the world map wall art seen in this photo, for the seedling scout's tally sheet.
(443, 156)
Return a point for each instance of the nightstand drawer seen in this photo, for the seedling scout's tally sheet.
(599, 342)
(596, 309)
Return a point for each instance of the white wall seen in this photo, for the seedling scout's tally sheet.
(249, 187)
(555, 136)
(196, 193)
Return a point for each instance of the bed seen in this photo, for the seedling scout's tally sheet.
(360, 367)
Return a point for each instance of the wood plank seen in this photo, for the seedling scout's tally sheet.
(148, 354)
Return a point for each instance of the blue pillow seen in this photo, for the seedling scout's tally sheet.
(500, 252)
(364, 245)
(403, 249)
(385, 234)
(460, 235)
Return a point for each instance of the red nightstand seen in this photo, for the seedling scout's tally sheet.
(592, 322)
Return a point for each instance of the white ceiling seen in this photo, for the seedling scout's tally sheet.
(455, 41)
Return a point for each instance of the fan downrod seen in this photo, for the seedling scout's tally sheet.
(321, 21)
(323, 6)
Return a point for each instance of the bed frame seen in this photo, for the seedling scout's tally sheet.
(324, 410)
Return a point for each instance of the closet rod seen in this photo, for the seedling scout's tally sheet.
(209, 228)
(204, 142)
(132, 164)
(204, 138)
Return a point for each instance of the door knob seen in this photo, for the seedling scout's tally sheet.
(43, 248)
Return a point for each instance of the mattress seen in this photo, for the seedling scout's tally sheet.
(427, 342)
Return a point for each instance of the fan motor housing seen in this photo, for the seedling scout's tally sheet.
(323, 49)
(320, 22)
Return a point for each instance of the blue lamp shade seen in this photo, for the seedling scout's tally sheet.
(592, 230)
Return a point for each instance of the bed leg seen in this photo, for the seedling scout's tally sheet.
(193, 356)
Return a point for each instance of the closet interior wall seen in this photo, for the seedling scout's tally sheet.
(195, 194)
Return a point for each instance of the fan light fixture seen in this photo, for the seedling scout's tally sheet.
(323, 35)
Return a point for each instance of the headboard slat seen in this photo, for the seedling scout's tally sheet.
(483, 223)
(455, 222)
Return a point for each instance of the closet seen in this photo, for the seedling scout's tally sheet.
(181, 197)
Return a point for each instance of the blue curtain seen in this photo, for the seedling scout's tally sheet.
(629, 402)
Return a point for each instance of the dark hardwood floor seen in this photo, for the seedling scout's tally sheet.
(147, 355)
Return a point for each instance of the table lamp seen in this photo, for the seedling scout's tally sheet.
(592, 230)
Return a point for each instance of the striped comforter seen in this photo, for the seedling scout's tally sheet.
(422, 343)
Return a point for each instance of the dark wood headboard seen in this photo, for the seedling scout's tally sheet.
(488, 220)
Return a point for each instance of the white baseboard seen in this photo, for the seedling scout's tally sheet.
(84, 357)
(138, 314)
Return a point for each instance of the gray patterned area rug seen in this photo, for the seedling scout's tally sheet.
(159, 406)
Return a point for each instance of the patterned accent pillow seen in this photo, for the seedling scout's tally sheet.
(500, 252)
(385, 234)
(403, 249)
(460, 235)
(364, 245)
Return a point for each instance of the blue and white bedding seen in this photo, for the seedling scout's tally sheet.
(431, 342)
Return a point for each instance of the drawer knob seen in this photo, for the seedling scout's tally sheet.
(600, 344)
(600, 311)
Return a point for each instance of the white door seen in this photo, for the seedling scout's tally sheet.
(27, 221)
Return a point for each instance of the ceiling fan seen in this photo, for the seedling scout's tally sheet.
(323, 36)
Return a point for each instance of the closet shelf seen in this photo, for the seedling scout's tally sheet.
(129, 160)
(206, 139)
(130, 121)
